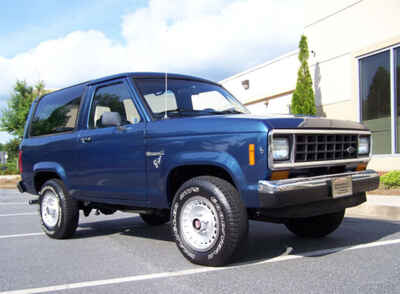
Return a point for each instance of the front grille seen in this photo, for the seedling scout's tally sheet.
(320, 147)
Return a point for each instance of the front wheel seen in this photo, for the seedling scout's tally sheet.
(209, 220)
(316, 226)
(59, 212)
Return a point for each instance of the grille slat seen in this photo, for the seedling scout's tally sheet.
(320, 147)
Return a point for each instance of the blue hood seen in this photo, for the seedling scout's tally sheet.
(242, 123)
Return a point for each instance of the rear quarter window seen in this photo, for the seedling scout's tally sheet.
(57, 112)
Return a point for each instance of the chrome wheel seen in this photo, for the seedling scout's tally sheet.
(50, 208)
(199, 224)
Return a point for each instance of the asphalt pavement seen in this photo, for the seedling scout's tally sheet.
(121, 254)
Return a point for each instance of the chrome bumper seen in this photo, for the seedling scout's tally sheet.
(363, 180)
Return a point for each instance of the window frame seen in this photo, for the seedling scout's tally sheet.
(393, 94)
(94, 89)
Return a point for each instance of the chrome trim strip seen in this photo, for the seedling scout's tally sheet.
(292, 164)
(272, 187)
(325, 131)
(319, 163)
(160, 153)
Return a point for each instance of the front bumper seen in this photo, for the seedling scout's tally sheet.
(303, 191)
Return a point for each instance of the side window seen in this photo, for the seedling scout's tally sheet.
(56, 113)
(113, 98)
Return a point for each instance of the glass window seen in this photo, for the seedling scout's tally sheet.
(397, 93)
(56, 112)
(113, 98)
(375, 99)
(187, 98)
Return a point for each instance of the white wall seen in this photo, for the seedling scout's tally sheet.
(336, 30)
(271, 78)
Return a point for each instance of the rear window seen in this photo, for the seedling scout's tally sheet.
(57, 112)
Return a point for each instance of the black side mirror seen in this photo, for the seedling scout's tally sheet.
(111, 119)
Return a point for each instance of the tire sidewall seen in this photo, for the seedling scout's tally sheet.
(59, 193)
(217, 253)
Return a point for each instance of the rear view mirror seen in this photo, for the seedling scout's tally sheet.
(111, 119)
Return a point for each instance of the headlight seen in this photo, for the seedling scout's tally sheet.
(280, 148)
(363, 145)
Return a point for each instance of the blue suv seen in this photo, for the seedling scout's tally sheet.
(183, 150)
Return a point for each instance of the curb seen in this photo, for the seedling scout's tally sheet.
(379, 211)
(10, 177)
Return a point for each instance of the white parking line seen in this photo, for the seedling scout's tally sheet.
(18, 214)
(20, 235)
(196, 270)
(14, 203)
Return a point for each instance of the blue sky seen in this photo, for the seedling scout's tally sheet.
(24, 24)
(65, 42)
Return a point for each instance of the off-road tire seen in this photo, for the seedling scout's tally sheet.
(68, 211)
(155, 219)
(316, 226)
(230, 213)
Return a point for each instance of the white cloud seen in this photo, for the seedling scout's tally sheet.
(210, 38)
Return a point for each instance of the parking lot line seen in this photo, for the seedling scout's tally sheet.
(20, 235)
(196, 270)
(18, 214)
(14, 203)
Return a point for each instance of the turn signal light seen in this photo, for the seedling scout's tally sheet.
(361, 166)
(252, 156)
(280, 175)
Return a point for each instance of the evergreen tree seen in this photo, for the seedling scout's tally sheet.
(303, 101)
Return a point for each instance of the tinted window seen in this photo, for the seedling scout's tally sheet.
(57, 112)
(113, 98)
(375, 99)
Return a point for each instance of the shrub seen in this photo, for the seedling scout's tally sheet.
(11, 166)
(391, 179)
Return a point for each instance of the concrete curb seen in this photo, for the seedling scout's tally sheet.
(372, 210)
(10, 177)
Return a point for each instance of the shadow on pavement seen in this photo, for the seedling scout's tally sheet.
(265, 241)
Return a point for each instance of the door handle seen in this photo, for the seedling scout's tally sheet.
(86, 139)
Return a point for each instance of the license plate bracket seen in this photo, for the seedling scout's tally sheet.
(342, 187)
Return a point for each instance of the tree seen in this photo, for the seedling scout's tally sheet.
(303, 101)
(13, 117)
(1, 147)
(12, 147)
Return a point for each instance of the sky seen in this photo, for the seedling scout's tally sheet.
(66, 42)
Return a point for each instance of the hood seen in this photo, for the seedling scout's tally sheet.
(242, 123)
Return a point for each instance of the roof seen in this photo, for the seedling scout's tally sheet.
(138, 75)
(148, 75)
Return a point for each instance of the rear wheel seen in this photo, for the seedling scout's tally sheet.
(59, 212)
(209, 220)
(316, 226)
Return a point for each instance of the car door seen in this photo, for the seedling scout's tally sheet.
(112, 158)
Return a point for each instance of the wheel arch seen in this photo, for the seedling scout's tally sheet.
(182, 173)
(45, 171)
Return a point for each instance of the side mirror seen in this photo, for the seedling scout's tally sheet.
(111, 119)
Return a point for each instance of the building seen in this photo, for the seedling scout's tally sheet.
(355, 66)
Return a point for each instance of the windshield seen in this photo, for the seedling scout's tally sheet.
(187, 98)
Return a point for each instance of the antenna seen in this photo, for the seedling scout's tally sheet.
(165, 96)
(166, 81)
